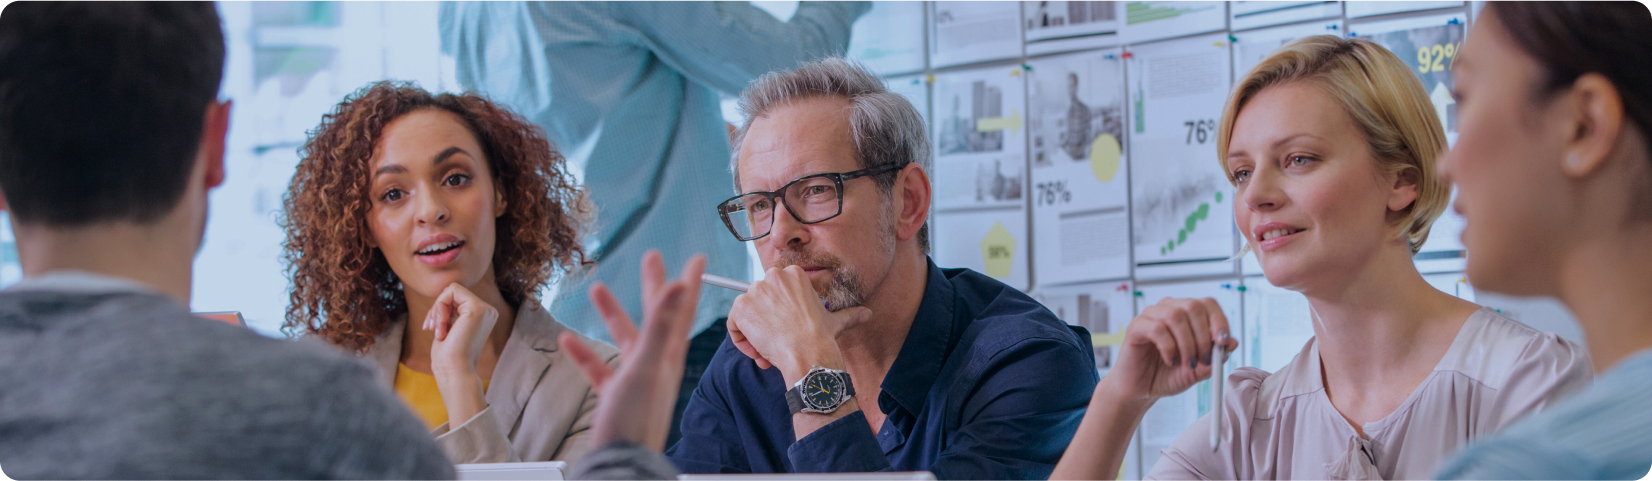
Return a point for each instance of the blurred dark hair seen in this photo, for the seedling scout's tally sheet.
(101, 106)
(1570, 39)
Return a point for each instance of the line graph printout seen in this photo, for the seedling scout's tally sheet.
(1080, 199)
(1171, 415)
(969, 32)
(1149, 21)
(1181, 203)
(980, 138)
(889, 39)
(1252, 47)
(1047, 20)
(1249, 15)
(1428, 45)
(1380, 7)
(991, 241)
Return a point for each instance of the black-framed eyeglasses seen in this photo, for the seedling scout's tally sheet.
(810, 199)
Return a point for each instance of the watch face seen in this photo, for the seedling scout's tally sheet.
(822, 390)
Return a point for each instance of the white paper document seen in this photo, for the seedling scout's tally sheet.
(980, 139)
(889, 39)
(1366, 8)
(1250, 48)
(1080, 200)
(989, 241)
(1103, 308)
(1181, 203)
(1149, 21)
(969, 32)
(1249, 15)
(1047, 20)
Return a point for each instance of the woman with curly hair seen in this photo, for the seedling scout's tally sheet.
(449, 211)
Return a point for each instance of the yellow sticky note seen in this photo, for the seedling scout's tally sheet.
(1104, 157)
(998, 251)
(1103, 339)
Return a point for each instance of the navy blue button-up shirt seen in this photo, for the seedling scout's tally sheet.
(988, 384)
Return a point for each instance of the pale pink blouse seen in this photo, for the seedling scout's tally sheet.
(1282, 425)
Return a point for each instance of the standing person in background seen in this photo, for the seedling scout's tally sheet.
(111, 138)
(420, 229)
(630, 90)
(1553, 167)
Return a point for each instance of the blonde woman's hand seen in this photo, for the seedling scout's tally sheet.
(1167, 348)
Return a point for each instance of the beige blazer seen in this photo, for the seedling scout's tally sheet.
(539, 405)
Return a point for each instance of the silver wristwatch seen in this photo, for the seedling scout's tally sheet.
(821, 391)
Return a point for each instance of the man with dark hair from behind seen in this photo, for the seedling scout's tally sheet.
(111, 136)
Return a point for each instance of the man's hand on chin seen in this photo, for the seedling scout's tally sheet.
(781, 322)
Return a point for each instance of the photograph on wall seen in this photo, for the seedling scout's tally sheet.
(889, 39)
(1047, 20)
(970, 32)
(1149, 21)
(1250, 48)
(1079, 195)
(1367, 8)
(1181, 203)
(1103, 308)
(989, 241)
(980, 139)
(1249, 15)
(1171, 415)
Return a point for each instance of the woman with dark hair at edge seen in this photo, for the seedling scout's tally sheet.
(419, 229)
(1553, 166)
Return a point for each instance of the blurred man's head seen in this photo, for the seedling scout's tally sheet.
(824, 118)
(107, 111)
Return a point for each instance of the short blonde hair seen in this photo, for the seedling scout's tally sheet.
(1386, 101)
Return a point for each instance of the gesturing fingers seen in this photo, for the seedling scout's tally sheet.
(613, 315)
(591, 365)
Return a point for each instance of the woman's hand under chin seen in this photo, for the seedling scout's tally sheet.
(462, 323)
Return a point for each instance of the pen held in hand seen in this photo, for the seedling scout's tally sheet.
(1219, 357)
(732, 284)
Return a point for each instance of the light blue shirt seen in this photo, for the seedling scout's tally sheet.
(1603, 432)
(627, 91)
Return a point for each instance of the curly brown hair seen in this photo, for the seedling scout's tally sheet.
(342, 289)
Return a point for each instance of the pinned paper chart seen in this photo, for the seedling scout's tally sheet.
(969, 32)
(1047, 20)
(1172, 415)
(1080, 200)
(1278, 325)
(989, 241)
(1181, 203)
(1366, 8)
(1248, 15)
(889, 39)
(1103, 308)
(1250, 48)
(1149, 21)
(980, 139)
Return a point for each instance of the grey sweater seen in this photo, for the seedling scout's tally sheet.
(129, 385)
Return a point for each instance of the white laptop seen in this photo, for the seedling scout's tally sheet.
(892, 476)
(513, 471)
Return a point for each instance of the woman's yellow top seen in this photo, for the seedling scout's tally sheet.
(419, 391)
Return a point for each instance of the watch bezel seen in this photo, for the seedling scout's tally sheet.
(839, 398)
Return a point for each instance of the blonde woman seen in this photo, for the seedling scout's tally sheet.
(1331, 145)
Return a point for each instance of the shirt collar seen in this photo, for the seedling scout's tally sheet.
(927, 343)
(80, 282)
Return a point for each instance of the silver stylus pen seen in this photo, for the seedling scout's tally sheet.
(725, 282)
(1218, 357)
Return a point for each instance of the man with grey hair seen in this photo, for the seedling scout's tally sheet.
(883, 360)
